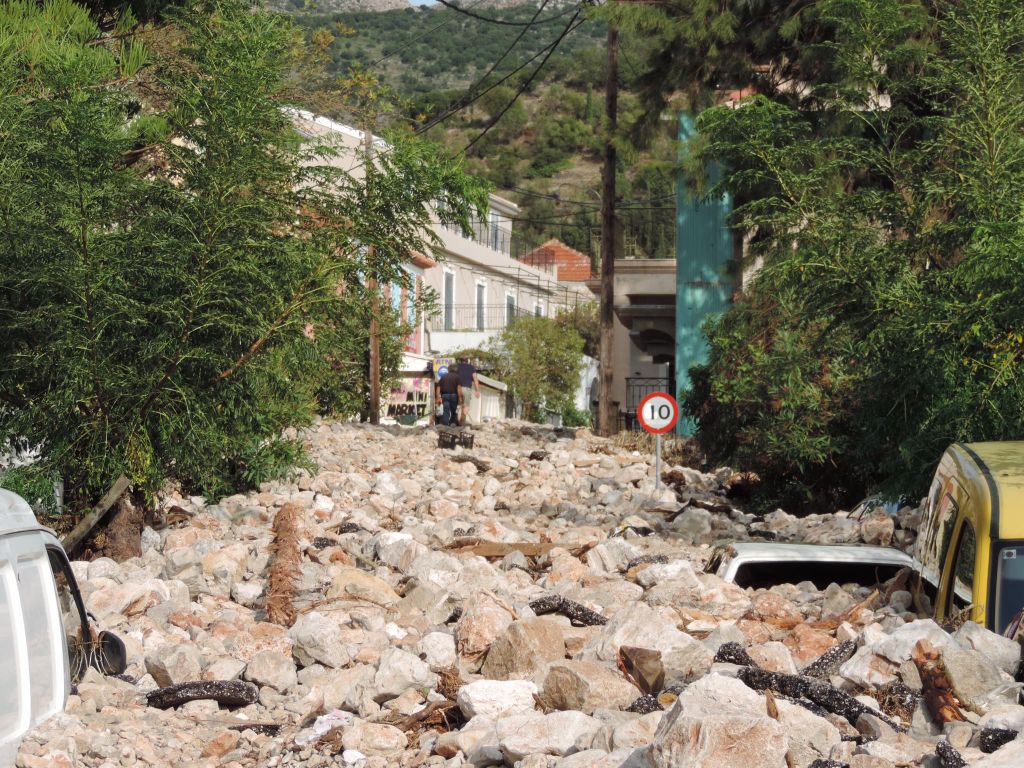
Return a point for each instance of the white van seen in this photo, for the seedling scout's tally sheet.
(45, 636)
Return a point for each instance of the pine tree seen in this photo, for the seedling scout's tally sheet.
(169, 241)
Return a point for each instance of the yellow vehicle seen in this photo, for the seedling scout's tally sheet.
(970, 548)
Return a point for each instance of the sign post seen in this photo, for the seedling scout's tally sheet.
(658, 414)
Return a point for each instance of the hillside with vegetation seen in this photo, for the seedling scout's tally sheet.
(540, 148)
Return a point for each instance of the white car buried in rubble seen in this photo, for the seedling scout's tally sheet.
(46, 640)
(764, 564)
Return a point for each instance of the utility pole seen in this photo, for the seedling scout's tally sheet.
(374, 293)
(608, 416)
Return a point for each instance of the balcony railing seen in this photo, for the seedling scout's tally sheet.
(475, 317)
(488, 234)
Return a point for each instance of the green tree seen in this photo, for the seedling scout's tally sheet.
(541, 362)
(884, 322)
(173, 249)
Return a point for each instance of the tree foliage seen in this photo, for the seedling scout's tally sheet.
(541, 361)
(180, 270)
(884, 322)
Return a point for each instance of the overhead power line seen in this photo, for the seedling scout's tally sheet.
(464, 10)
(459, 104)
(583, 203)
(409, 43)
(573, 24)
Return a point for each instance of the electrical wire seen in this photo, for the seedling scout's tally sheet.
(459, 104)
(416, 39)
(464, 10)
(570, 27)
(514, 43)
(582, 203)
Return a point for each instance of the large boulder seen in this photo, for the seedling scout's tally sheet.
(397, 672)
(586, 686)
(273, 669)
(718, 722)
(484, 618)
(353, 584)
(640, 626)
(173, 664)
(524, 648)
(718, 741)
(373, 739)
(318, 639)
(1001, 651)
(559, 733)
(974, 678)
(491, 698)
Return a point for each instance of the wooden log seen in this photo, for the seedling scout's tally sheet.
(575, 612)
(87, 523)
(284, 568)
(935, 685)
(467, 458)
(230, 693)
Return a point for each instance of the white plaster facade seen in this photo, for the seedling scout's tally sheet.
(479, 285)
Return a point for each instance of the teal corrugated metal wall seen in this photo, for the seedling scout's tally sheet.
(703, 288)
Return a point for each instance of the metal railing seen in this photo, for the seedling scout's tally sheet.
(637, 388)
(486, 233)
(475, 317)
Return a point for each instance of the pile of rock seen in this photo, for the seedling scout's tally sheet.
(542, 605)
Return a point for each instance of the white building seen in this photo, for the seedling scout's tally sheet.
(479, 284)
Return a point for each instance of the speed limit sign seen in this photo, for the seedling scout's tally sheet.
(658, 413)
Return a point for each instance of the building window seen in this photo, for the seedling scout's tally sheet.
(495, 232)
(510, 309)
(449, 301)
(481, 299)
(410, 300)
(538, 309)
(396, 299)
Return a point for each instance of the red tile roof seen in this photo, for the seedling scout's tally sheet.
(573, 266)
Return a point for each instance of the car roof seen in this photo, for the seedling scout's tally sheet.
(779, 551)
(1001, 466)
(16, 515)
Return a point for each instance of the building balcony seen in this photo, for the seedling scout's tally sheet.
(475, 317)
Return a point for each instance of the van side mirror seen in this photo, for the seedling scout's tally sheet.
(111, 656)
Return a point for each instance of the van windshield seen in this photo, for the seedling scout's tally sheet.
(1009, 584)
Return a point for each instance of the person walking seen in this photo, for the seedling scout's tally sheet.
(448, 397)
(469, 387)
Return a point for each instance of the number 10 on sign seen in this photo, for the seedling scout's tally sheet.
(658, 414)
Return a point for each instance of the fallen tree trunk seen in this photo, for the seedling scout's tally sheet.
(935, 685)
(818, 692)
(468, 458)
(229, 693)
(572, 610)
(87, 523)
(284, 568)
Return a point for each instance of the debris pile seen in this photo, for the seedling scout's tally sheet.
(532, 602)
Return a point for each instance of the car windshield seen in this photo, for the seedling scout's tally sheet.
(1009, 584)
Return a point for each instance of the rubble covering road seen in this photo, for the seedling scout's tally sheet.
(540, 605)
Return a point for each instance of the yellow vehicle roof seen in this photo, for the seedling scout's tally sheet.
(999, 474)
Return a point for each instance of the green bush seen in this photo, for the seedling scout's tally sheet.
(541, 362)
(169, 280)
(574, 417)
(38, 486)
(885, 321)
